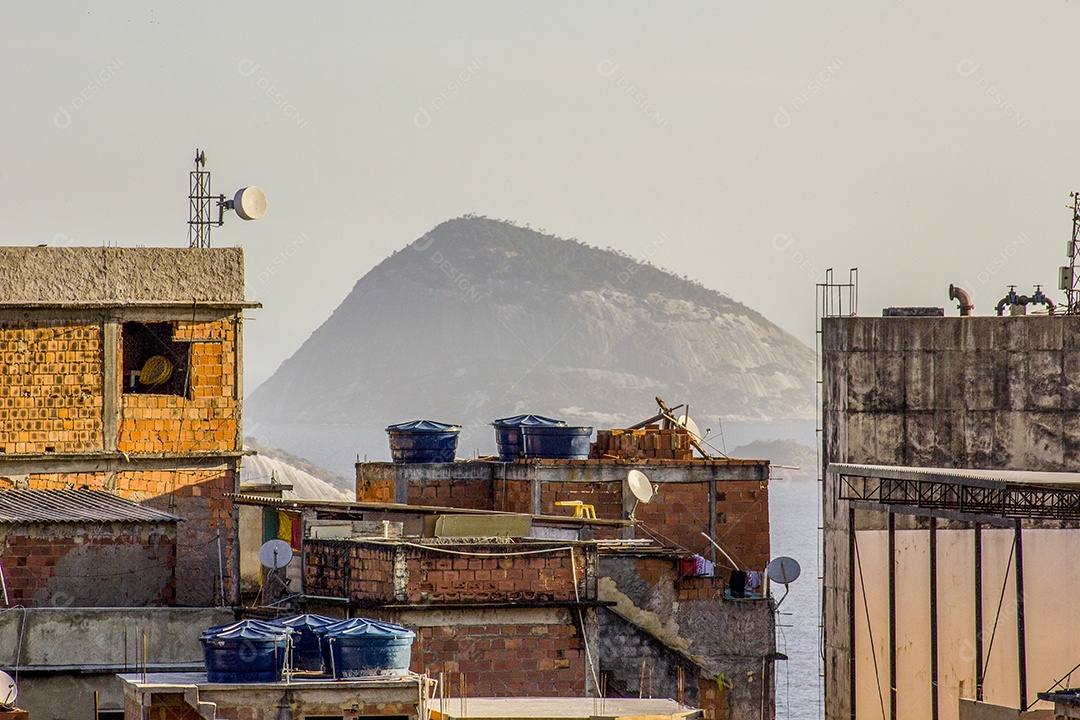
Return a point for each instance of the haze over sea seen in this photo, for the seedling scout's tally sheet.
(793, 523)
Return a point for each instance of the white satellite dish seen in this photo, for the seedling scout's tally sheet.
(783, 570)
(250, 203)
(691, 427)
(640, 487)
(8, 691)
(275, 554)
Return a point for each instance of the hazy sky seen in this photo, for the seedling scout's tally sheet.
(746, 145)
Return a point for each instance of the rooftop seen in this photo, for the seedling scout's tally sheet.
(115, 276)
(75, 506)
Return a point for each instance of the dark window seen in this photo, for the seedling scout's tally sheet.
(153, 362)
(104, 714)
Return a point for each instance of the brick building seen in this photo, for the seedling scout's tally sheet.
(85, 548)
(561, 606)
(121, 371)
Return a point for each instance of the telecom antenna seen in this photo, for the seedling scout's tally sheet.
(248, 202)
(1068, 281)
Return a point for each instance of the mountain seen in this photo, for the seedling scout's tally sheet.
(309, 481)
(480, 319)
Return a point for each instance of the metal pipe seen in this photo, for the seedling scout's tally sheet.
(978, 614)
(892, 615)
(933, 621)
(965, 305)
(221, 569)
(1021, 635)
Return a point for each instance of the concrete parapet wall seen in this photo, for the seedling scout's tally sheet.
(107, 637)
(84, 275)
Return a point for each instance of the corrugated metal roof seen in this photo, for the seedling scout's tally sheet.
(52, 506)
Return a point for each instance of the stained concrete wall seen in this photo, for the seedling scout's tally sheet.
(64, 654)
(978, 392)
(710, 634)
(89, 275)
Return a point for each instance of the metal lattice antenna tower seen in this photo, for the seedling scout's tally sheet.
(199, 198)
(1070, 283)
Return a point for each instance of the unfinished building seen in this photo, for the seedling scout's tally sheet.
(512, 595)
(120, 440)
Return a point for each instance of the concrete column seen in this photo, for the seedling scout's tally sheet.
(110, 409)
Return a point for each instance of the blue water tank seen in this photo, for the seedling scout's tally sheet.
(361, 647)
(508, 433)
(249, 651)
(557, 442)
(423, 441)
(307, 649)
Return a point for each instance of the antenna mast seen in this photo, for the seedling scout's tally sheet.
(249, 203)
(1069, 281)
(200, 197)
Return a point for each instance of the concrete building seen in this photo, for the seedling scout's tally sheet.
(122, 372)
(947, 569)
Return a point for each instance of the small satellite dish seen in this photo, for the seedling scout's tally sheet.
(783, 570)
(8, 691)
(640, 485)
(275, 554)
(691, 427)
(250, 203)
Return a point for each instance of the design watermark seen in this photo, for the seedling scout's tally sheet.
(422, 118)
(247, 68)
(783, 116)
(968, 68)
(63, 117)
(607, 68)
(458, 277)
(251, 291)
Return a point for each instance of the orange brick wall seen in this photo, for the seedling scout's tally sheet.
(203, 422)
(513, 495)
(34, 554)
(504, 660)
(50, 387)
(441, 577)
(475, 494)
(198, 496)
(679, 513)
(364, 574)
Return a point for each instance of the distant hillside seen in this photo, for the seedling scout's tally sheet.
(480, 319)
(309, 481)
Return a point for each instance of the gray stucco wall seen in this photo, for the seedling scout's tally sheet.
(65, 654)
(977, 392)
(82, 275)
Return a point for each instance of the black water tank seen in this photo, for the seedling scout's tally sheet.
(508, 436)
(307, 649)
(423, 441)
(557, 442)
(249, 651)
(361, 648)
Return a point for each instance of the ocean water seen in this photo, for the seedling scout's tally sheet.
(793, 522)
